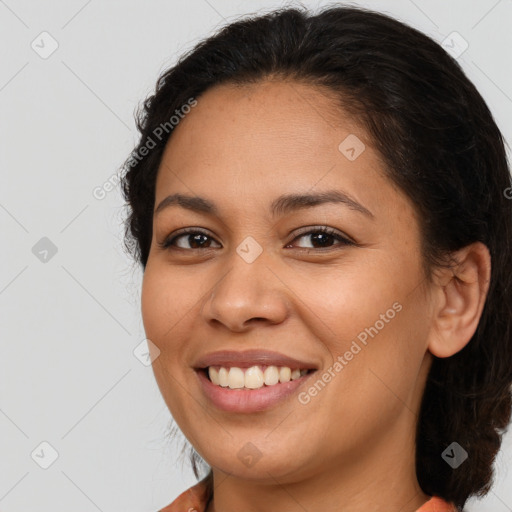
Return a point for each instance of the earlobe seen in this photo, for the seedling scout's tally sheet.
(459, 299)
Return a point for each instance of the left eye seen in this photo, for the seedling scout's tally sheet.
(321, 236)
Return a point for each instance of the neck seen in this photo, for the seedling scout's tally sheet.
(382, 477)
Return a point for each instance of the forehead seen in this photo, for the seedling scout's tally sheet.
(248, 144)
(272, 112)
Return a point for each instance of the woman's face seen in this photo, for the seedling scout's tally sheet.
(261, 276)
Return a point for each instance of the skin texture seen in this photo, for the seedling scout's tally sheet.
(352, 446)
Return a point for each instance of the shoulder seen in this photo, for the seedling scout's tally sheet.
(196, 498)
(437, 504)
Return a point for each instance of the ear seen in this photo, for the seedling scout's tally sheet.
(459, 296)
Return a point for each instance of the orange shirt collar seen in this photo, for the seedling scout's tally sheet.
(195, 499)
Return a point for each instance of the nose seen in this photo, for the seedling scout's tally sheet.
(246, 294)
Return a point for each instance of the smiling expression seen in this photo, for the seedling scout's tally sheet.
(257, 271)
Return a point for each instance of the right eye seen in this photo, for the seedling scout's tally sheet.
(191, 236)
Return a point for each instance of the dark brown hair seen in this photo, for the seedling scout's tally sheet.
(440, 145)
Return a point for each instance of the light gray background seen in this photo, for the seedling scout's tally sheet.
(68, 326)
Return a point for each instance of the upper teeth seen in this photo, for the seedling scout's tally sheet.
(253, 377)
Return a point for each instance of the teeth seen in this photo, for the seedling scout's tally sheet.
(295, 374)
(271, 375)
(223, 377)
(253, 377)
(236, 378)
(285, 374)
(214, 375)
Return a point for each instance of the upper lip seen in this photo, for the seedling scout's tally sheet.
(248, 358)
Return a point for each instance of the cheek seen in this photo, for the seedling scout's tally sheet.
(153, 305)
(372, 315)
(161, 314)
(161, 319)
(170, 301)
(347, 299)
(163, 303)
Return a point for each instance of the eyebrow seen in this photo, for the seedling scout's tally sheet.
(282, 205)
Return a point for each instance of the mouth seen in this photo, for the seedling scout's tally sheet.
(253, 377)
(251, 389)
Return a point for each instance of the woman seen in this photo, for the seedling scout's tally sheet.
(319, 204)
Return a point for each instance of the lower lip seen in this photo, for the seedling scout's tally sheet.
(249, 400)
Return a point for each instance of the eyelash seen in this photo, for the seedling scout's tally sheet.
(168, 243)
